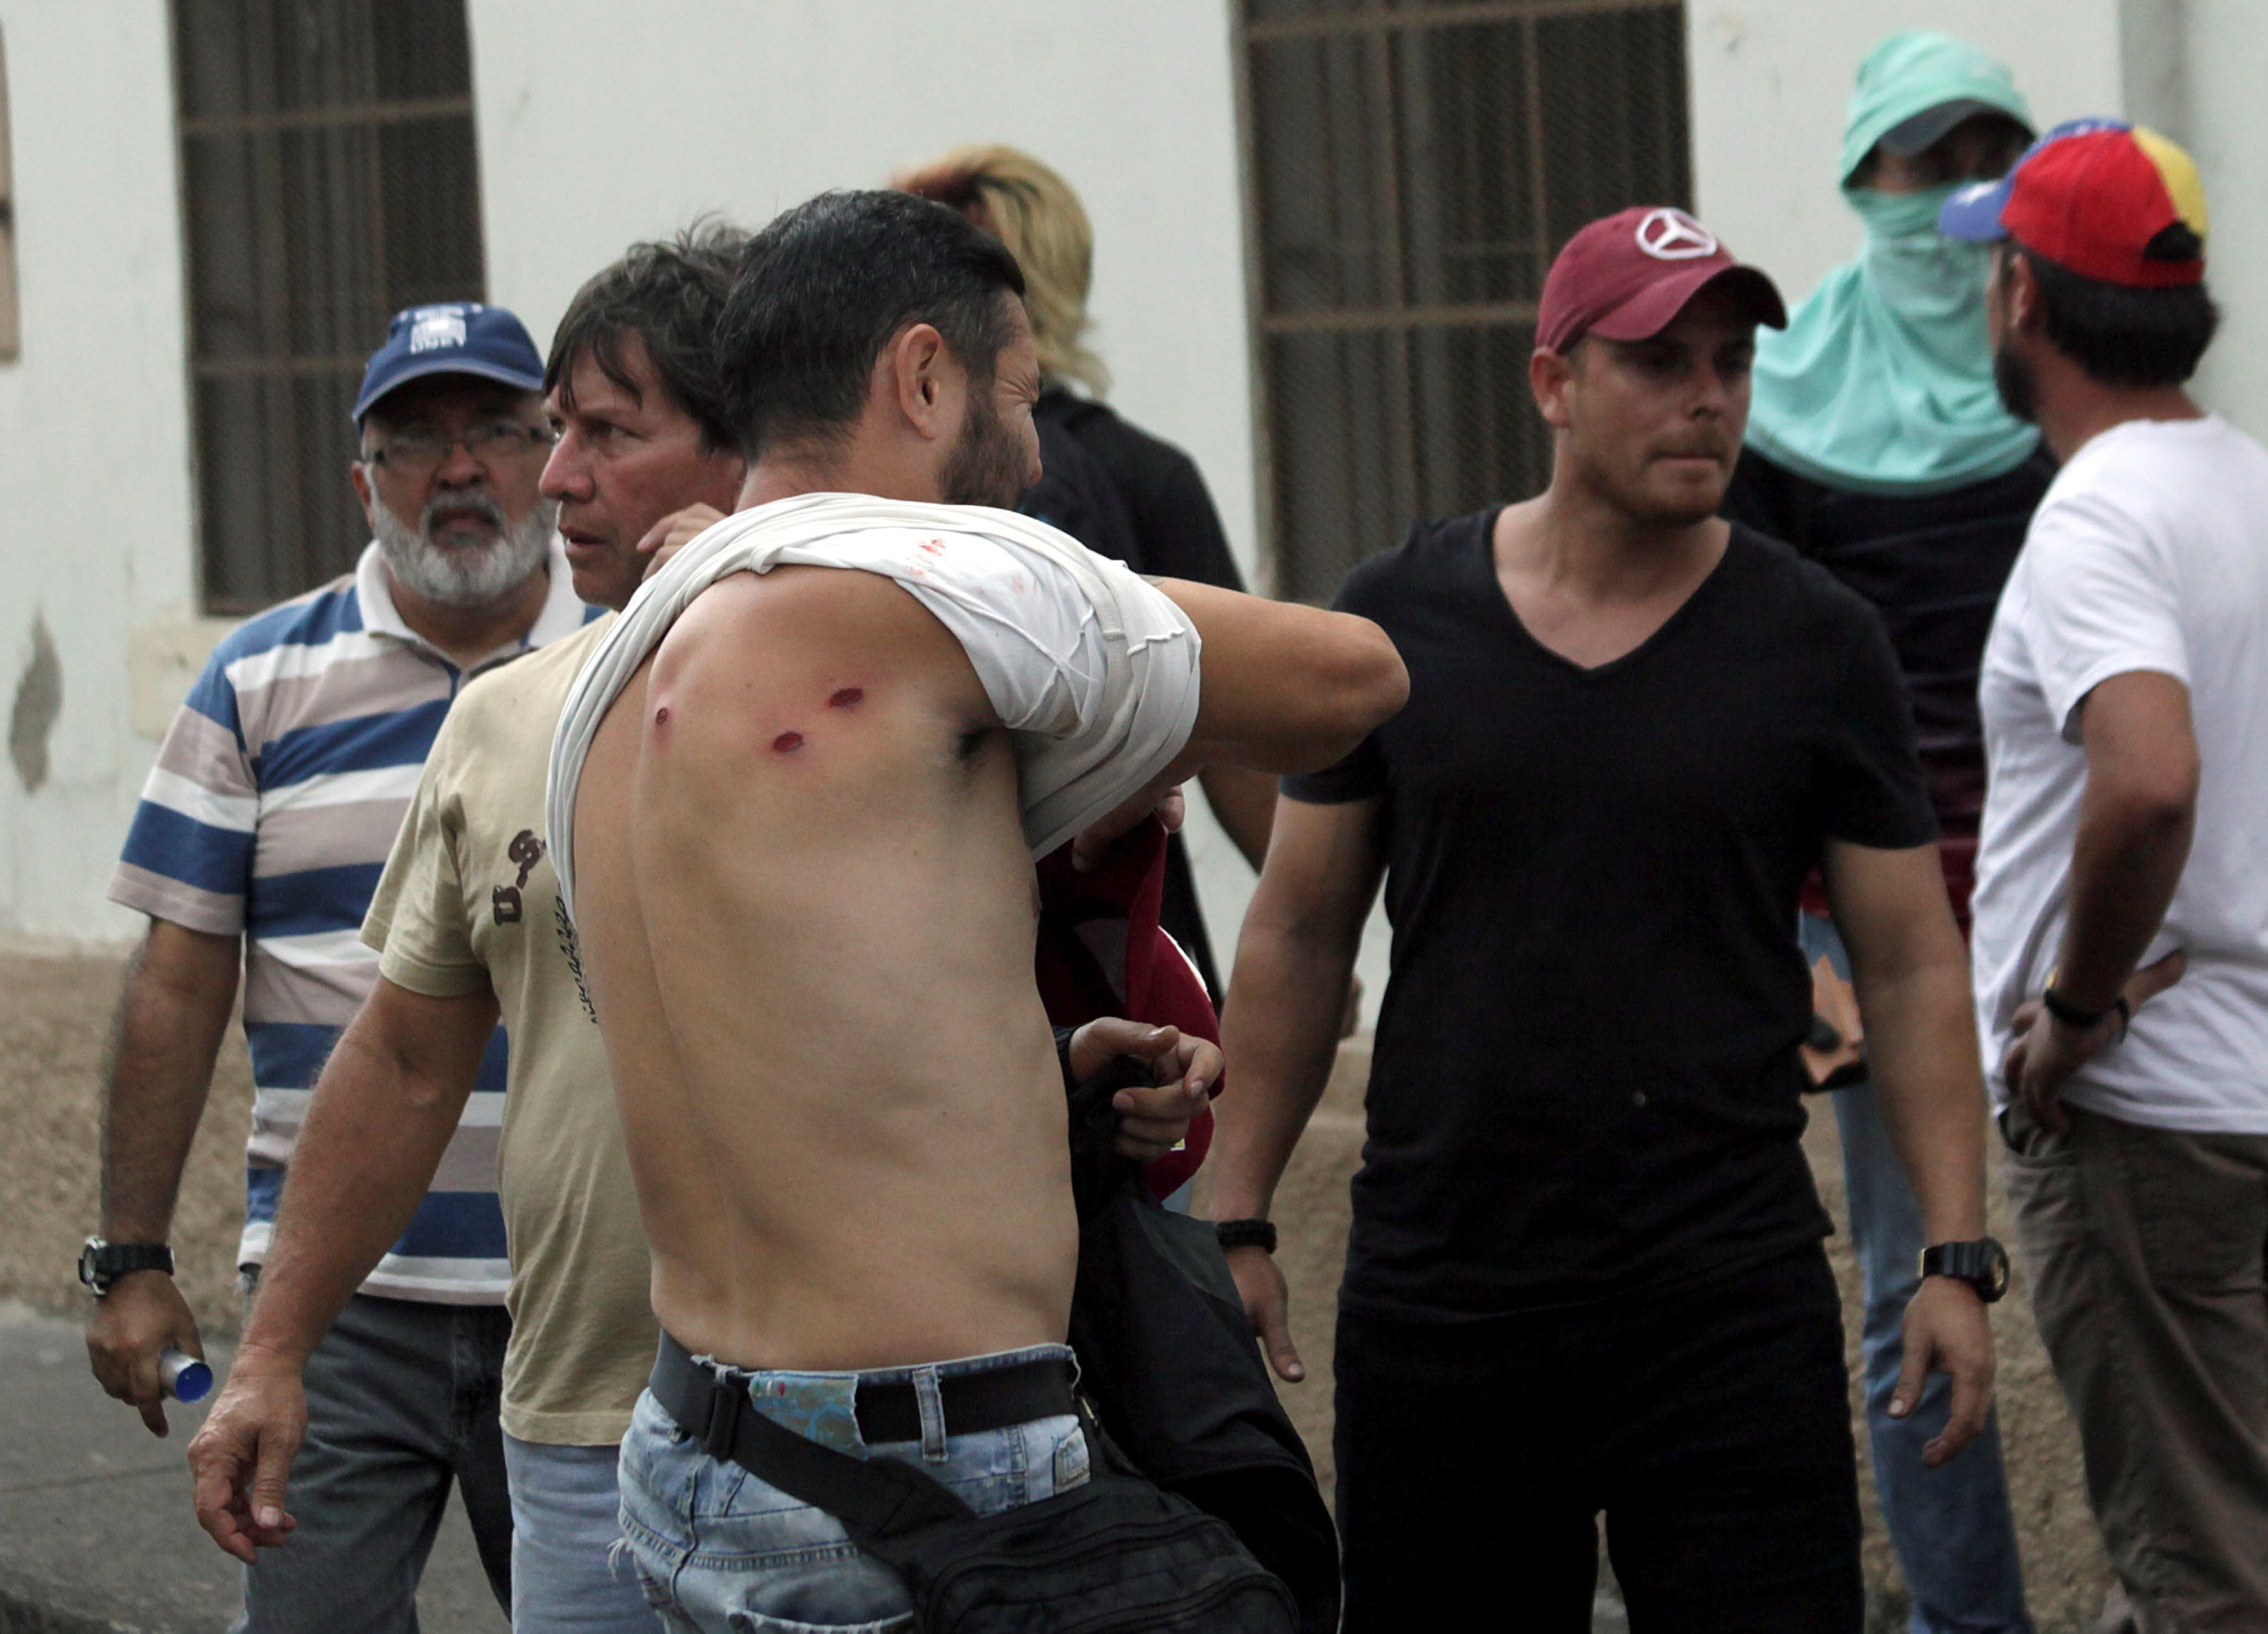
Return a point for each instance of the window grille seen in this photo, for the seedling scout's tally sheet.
(328, 178)
(12, 333)
(1412, 167)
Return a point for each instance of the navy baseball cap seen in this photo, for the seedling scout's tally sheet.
(453, 337)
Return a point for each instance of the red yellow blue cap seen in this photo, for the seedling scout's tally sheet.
(2099, 197)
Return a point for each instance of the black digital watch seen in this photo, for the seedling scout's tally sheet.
(1983, 1264)
(1259, 1234)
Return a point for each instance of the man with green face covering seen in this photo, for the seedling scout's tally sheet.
(1878, 446)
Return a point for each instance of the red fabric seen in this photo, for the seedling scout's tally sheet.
(1629, 276)
(1102, 953)
(2092, 203)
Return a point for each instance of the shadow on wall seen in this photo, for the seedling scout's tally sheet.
(39, 703)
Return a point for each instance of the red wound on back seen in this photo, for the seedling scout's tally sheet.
(787, 743)
(661, 715)
(848, 696)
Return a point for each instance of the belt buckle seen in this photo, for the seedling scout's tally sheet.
(726, 1405)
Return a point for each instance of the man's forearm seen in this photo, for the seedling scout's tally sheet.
(172, 1016)
(1285, 687)
(1921, 1048)
(2125, 864)
(1281, 1035)
(379, 1120)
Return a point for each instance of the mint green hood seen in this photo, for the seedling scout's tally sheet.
(1883, 380)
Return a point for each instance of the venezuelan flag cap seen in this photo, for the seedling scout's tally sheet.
(2099, 197)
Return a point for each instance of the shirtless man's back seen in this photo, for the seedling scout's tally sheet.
(797, 838)
(840, 1089)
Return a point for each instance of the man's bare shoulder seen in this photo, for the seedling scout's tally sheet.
(795, 619)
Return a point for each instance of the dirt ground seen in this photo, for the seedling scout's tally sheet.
(55, 1026)
(54, 1014)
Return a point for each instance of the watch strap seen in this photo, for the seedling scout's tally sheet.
(1982, 1263)
(1248, 1234)
(122, 1259)
(2071, 1016)
(102, 1263)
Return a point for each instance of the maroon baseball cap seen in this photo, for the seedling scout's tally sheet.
(1628, 278)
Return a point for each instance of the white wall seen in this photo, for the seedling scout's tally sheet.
(94, 450)
(603, 123)
(2218, 107)
(1772, 83)
(598, 123)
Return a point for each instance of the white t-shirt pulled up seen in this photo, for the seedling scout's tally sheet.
(2150, 552)
(1092, 670)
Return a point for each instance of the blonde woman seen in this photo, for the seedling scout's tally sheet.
(1156, 514)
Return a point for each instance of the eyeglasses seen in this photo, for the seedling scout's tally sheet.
(420, 449)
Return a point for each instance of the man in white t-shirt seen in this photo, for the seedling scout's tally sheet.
(2124, 858)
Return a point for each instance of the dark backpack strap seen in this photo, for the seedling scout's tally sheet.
(874, 1498)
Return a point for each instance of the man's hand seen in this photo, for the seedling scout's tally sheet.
(2046, 1052)
(666, 538)
(1152, 1121)
(143, 1314)
(1946, 1331)
(1093, 842)
(239, 1461)
(1268, 1306)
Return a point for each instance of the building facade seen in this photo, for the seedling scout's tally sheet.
(1320, 229)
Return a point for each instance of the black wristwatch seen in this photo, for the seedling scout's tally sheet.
(1259, 1234)
(102, 1263)
(1983, 1264)
(2084, 1020)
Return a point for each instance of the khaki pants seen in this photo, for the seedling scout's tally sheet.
(2145, 1250)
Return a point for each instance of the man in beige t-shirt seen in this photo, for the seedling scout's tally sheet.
(469, 904)
(465, 920)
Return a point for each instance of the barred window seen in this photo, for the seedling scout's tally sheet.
(1412, 167)
(328, 178)
(12, 333)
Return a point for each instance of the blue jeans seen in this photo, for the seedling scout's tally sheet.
(401, 1403)
(722, 1551)
(1955, 1536)
(567, 1574)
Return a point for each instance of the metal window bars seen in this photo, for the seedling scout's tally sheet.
(328, 178)
(1411, 167)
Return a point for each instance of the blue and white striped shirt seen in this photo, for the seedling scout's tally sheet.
(269, 814)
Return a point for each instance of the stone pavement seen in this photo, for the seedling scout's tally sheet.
(96, 1532)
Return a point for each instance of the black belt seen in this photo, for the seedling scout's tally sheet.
(712, 1405)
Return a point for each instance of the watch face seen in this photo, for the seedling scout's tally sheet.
(87, 1274)
(1995, 1279)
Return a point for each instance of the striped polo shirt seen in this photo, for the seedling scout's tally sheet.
(269, 814)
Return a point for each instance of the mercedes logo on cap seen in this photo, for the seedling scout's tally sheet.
(1673, 235)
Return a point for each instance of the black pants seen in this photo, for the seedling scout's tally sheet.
(1712, 1425)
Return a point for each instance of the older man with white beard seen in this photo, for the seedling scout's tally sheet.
(259, 839)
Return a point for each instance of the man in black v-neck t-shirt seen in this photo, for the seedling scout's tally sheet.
(1590, 874)
(1586, 1272)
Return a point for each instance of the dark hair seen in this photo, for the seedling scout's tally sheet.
(2120, 334)
(824, 287)
(670, 295)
